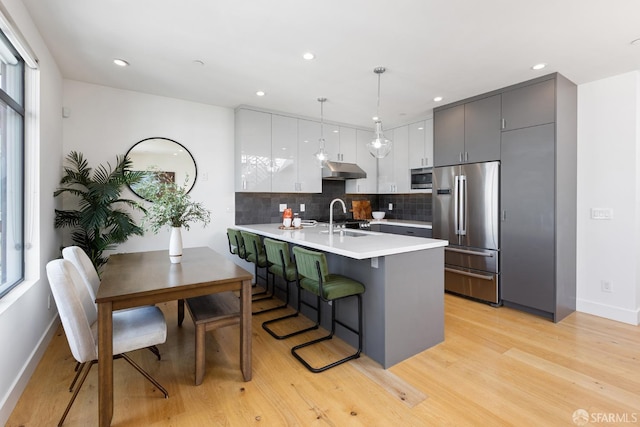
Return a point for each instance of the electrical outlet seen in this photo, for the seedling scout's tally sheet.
(283, 206)
(606, 286)
(302, 207)
(390, 206)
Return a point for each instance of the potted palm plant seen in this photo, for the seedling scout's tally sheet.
(171, 207)
(102, 218)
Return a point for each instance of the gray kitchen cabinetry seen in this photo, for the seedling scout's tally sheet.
(468, 132)
(529, 105)
(538, 202)
(399, 229)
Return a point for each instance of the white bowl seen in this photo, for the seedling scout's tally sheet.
(377, 215)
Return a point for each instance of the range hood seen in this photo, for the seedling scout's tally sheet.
(341, 171)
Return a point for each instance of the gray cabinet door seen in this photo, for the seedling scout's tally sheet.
(529, 105)
(482, 130)
(528, 217)
(448, 136)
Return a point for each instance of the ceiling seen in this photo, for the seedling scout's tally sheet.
(454, 49)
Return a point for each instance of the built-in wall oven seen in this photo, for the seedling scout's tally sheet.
(421, 178)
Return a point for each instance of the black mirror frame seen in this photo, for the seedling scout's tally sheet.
(195, 165)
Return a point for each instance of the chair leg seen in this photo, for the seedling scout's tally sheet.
(154, 349)
(288, 316)
(78, 370)
(266, 279)
(145, 374)
(75, 393)
(330, 336)
(273, 292)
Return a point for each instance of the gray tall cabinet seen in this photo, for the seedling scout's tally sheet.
(535, 132)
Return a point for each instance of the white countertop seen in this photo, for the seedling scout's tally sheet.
(369, 244)
(401, 222)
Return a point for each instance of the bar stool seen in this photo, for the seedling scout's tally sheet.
(280, 264)
(314, 277)
(236, 243)
(255, 254)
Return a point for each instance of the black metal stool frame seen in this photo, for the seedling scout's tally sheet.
(273, 288)
(333, 328)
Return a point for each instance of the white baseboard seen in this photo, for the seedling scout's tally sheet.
(11, 398)
(618, 314)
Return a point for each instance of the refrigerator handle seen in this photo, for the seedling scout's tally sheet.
(456, 198)
(463, 211)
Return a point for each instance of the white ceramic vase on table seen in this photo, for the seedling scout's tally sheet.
(175, 245)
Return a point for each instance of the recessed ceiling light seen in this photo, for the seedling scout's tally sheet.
(336, 131)
(375, 118)
(308, 56)
(260, 93)
(198, 62)
(538, 66)
(121, 62)
(437, 99)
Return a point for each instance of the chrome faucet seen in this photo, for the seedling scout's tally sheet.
(344, 209)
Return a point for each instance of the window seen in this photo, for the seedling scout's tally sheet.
(11, 166)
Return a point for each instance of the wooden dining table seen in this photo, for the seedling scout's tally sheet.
(145, 278)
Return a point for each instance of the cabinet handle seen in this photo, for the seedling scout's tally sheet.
(466, 156)
(244, 184)
(460, 156)
(503, 124)
(504, 215)
(426, 161)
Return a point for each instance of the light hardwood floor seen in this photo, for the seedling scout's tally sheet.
(496, 366)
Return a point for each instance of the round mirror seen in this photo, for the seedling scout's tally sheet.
(168, 159)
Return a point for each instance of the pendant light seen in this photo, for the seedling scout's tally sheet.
(321, 155)
(379, 146)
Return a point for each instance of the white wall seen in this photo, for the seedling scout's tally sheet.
(104, 122)
(26, 322)
(609, 177)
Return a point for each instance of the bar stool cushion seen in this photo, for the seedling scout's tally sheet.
(236, 242)
(273, 248)
(334, 286)
(249, 240)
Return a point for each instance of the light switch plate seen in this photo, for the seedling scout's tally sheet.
(390, 206)
(302, 207)
(283, 206)
(601, 213)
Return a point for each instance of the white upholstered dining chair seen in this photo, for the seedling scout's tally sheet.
(132, 329)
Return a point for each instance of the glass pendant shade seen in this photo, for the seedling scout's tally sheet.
(379, 146)
(321, 155)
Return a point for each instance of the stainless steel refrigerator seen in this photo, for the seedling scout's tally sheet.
(466, 213)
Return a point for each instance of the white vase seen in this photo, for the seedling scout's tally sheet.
(175, 245)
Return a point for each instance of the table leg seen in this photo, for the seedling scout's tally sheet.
(105, 365)
(245, 330)
(180, 311)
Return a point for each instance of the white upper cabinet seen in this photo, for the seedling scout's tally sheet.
(253, 151)
(367, 162)
(284, 149)
(393, 170)
(421, 144)
(275, 153)
(309, 171)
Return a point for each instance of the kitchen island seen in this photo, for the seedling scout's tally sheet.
(404, 279)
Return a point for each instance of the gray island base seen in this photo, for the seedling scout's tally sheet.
(404, 279)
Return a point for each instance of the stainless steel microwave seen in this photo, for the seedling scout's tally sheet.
(421, 178)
